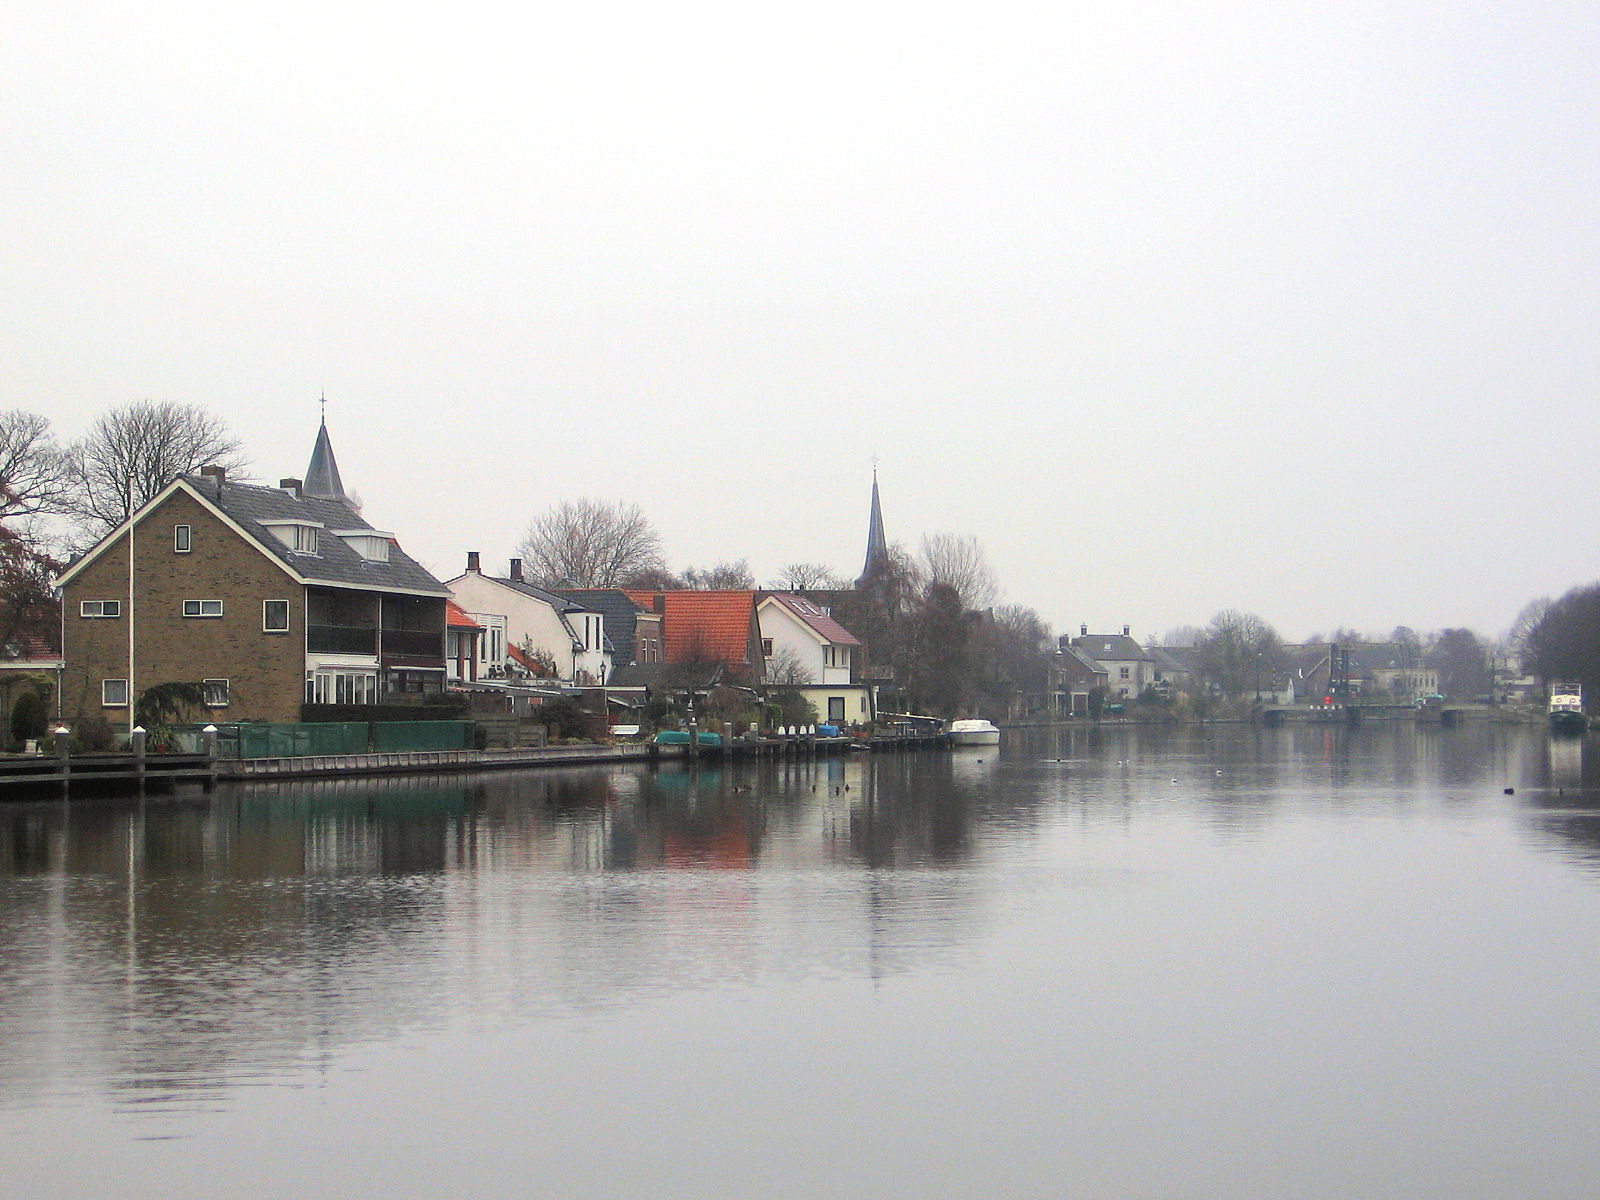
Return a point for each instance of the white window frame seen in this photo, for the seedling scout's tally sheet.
(226, 692)
(202, 608)
(266, 625)
(96, 609)
(105, 693)
(182, 539)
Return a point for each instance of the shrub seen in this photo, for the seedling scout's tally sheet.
(28, 718)
(93, 734)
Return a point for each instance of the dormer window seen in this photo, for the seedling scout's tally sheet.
(370, 544)
(299, 536)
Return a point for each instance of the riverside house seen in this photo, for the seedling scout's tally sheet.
(273, 598)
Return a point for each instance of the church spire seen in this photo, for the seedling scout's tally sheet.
(322, 475)
(877, 545)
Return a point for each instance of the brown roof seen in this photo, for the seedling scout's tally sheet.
(814, 616)
(696, 624)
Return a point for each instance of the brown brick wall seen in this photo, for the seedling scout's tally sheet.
(265, 671)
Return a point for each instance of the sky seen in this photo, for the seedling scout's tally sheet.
(1176, 307)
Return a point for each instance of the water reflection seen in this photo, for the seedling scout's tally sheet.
(165, 954)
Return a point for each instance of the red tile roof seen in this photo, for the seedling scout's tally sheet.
(695, 624)
(456, 617)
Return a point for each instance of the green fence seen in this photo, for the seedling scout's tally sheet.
(303, 740)
(395, 736)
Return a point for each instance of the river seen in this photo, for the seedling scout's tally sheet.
(1116, 962)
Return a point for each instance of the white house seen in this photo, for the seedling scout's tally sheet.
(514, 612)
(807, 651)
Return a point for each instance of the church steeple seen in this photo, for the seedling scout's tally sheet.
(322, 475)
(877, 545)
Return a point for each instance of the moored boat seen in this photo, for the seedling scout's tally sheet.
(1566, 709)
(973, 733)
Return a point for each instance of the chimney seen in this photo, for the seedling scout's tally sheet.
(659, 604)
(1083, 630)
(516, 570)
(220, 474)
(292, 486)
(1125, 631)
(473, 567)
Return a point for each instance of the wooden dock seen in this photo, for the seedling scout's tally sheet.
(62, 774)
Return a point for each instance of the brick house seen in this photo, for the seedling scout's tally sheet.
(270, 597)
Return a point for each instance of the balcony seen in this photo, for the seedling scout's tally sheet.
(414, 643)
(341, 639)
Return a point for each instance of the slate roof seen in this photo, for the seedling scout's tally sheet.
(335, 563)
(710, 624)
(621, 618)
(813, 616)
(1110, 647)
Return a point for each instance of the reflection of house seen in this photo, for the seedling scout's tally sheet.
(534, 620)
(270, 597)
(1129, 667)
(713, 629)
(808, 652)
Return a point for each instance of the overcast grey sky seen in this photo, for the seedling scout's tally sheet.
(1178, 307)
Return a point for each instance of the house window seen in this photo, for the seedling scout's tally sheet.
(766, 647)
(341, 687)
(216, 692)
(180, 539)
(202, 608)
(1124, 674)
(835, 709)
(100, 608)
(275, 616)
(114, 693)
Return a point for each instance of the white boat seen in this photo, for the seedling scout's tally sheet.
(973, 733)
(1566, 709)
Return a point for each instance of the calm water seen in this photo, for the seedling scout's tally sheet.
(1223, 963)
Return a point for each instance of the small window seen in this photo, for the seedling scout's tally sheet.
(180, 539)
(275, 616)
(202, 608)
(216, 692)
(100, 608)
(766, 647)
(114, 693)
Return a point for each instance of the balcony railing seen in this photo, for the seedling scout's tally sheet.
(416, 643)
(341, 639)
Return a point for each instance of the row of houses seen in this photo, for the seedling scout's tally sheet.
(285, 600)
(1118, 669)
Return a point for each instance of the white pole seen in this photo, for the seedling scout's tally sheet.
(130, 608)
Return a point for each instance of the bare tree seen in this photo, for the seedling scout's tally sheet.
(960, 563)
(787, 669)
(35, 473)
(807, 577)
(134, 451)
(727, 576)
(1238, 648)
(591, 544)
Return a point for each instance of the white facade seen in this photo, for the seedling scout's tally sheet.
(514, 617)
(824, 661)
